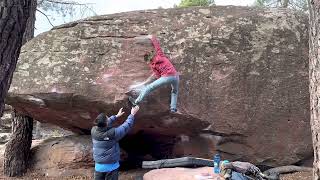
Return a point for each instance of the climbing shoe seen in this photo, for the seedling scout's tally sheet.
(174, 111)
(132, 101)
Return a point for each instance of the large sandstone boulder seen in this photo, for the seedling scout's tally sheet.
(63, 156)
(68, 157)
(182, 174)
(243, 90)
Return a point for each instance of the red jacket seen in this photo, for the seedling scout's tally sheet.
(160, 64)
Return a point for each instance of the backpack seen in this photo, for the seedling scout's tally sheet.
(243, 171)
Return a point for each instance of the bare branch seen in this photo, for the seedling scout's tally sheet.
(285, 3)
(90, 9)
(297, 6)
(46, 17)
(71, 3)
(67, 2)
(272, 3)
(40, 2)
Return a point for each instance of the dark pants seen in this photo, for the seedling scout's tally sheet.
(113, 175)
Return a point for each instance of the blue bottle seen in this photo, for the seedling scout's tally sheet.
(216, 163)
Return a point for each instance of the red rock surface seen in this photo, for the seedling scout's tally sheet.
(181, 174)
(243, 90)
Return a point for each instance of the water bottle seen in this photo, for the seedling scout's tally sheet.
(216, 163)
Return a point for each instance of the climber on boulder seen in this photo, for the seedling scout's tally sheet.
(163, 73)
(105, 138)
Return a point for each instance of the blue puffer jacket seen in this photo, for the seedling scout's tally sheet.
(106, 148)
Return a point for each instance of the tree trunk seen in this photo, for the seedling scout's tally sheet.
(314, 76)
(29, 32)
(18, 148)
(13, 19)
(17, 27)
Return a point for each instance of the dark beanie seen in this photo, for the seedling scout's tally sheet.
(101, 120)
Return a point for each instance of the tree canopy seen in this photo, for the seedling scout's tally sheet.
(189, 3)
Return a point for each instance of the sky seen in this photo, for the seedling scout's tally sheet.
(101, 7)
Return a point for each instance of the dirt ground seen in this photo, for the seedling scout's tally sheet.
(128, 175)
(297, 176)
(134, 174)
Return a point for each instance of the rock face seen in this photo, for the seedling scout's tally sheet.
(64, 156)
(6, 119)
(243, 89)
(5, 124)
